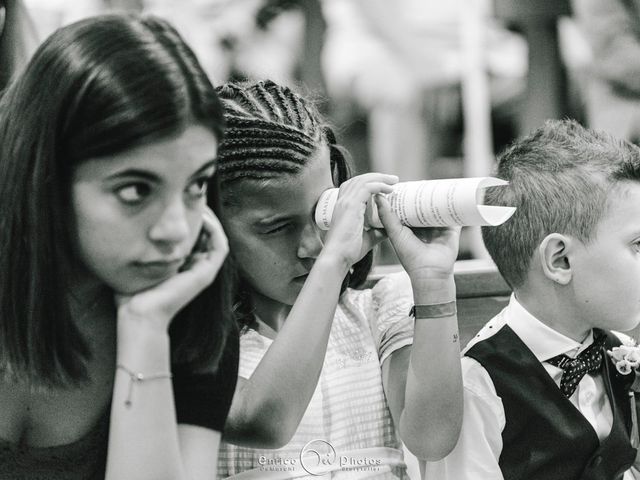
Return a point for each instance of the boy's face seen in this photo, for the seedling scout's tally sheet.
(606, 271)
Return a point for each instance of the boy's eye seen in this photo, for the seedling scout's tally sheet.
(133, 193)
(636, 246)
(199, 187)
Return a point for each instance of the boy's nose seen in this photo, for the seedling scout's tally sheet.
(172, 227)
(310, 241)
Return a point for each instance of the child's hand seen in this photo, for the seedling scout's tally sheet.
(425, 253)
(158, 305)
(347, 237)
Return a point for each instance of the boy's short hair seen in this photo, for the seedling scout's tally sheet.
(560, 178)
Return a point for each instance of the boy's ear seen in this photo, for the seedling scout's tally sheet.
(553, 257)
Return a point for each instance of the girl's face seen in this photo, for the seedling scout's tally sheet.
(271, 231)
(139, 213)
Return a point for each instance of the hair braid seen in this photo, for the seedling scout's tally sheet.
(269, 103)
(265, 122)
(291, 114)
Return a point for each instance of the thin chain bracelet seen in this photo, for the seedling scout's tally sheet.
(138, 377)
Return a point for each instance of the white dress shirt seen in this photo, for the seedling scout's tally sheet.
(478, 449)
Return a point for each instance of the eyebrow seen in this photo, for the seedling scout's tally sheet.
(146, 174)
(206, 166)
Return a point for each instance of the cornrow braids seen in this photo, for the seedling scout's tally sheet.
(270, 132)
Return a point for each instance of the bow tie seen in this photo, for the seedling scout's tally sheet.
(574, 369)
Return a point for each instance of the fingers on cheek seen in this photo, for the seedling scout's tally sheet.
(206, 267)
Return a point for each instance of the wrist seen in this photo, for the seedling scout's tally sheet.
(332, 264)
(141, 347)
(430, 291)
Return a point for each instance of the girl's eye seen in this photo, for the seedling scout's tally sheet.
(277, 229)
(133, 193)
(199, 187)
(636, 246)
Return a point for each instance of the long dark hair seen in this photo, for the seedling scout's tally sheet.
(94, 88)
(272, 131)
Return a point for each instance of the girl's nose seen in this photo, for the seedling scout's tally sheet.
(310, 241)
(172, 227)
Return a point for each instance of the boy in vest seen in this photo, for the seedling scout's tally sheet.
(543, 400)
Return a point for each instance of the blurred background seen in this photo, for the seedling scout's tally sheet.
(423, 89)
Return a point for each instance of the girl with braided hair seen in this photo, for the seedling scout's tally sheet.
(327, 372)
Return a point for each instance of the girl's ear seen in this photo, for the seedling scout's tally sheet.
(340, 171)
(338, 158)
(554, 259)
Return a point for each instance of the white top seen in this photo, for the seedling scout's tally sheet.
(478, 450)
(348, 408)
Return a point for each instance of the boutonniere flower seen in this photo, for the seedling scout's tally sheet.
(625, 357)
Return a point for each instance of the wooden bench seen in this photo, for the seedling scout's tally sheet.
(480, 290)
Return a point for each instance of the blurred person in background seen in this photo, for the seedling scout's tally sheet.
(233, 42)
(401, 63)
(612, 90)
(49, 15)
(18, 39)
(232, 38)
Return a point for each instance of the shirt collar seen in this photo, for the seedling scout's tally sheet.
(543, 341)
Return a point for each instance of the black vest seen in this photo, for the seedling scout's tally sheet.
(545, 436)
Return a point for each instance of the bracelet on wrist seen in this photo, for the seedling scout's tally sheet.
(139, 377)
(437, 310)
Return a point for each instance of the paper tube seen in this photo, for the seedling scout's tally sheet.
(430, 203)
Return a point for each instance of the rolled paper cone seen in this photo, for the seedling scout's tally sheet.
(430, 203)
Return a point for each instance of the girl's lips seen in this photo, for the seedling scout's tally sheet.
(159, 268)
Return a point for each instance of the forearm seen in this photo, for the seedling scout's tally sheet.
(143, 437)
(432, 415)
(267, 410)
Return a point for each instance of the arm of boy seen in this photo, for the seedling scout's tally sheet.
(145, 441)
(268, 407)
(424, 382)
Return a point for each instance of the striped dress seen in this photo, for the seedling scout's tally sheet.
(348, 411)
